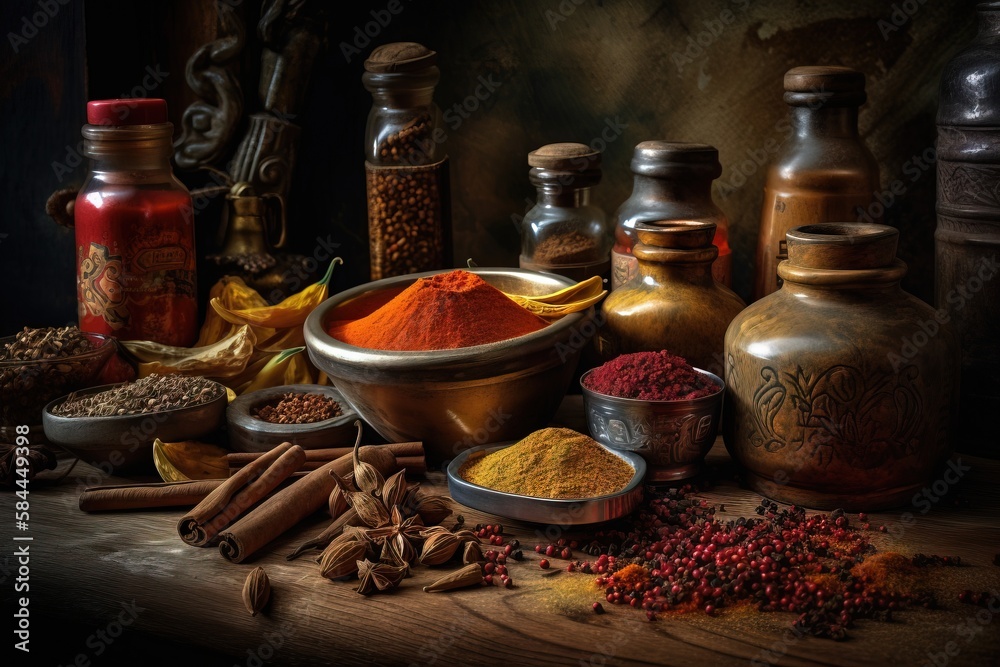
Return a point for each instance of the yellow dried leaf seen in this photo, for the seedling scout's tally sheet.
(226, 358)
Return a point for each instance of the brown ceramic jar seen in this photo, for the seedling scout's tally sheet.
(825, 173)
(841, 387)
(674, 303)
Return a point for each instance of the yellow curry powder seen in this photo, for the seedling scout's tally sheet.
(551, 463)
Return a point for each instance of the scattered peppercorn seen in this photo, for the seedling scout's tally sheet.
(544, 564)
(598, 608)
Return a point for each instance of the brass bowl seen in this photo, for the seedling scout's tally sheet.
(672, 436)
(453, 400)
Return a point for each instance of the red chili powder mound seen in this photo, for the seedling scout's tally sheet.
(441, 312)
(650, 376)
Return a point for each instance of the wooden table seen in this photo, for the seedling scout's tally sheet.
(122, 588)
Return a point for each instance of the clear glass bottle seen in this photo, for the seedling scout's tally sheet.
(135, 236)
(409, 212)
(563, 232)
(673, 181)
(825, 173)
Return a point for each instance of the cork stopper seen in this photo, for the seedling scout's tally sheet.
(825, 85)
(400, 57)
(676, 158)
(565, 157)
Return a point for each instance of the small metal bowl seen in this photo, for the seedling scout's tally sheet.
(248, 433)
(26, 386)
(124, 444)
(672, 436)
(552, 511)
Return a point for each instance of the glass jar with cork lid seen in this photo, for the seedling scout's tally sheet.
(564, 233)
(409, 212)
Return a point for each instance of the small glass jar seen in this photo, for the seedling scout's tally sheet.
(409, 216)
(564, 233)
(673, 182)
(135, 236)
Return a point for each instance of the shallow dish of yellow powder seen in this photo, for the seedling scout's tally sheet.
(553, 476)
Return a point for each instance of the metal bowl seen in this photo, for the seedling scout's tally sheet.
(452, 400)
(252, 434)
(552, 511)
(26, 386)
(124, 444)
(672, 436)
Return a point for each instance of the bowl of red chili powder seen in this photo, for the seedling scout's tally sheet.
(657, 405)
(446, 358)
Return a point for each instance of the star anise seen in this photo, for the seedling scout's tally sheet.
(397, 536)
(378, 576)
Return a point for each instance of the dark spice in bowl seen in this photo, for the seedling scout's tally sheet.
(650, 376)
(153, 393)
(299, 409)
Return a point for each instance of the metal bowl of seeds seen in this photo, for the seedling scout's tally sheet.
(38, 365)
(311, 416)
(112, 427)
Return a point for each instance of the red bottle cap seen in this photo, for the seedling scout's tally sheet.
(129, 111)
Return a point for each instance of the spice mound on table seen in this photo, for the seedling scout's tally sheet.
(440, 312)
(650, 376)
(551, 463)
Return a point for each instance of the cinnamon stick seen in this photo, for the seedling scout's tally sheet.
(307, 495)
(201, 525)
(147, 496)
(316, 457)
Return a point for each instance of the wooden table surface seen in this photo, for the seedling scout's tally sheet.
(122, 588)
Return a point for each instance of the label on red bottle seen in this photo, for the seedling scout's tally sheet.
(161, 259)
(101, 289)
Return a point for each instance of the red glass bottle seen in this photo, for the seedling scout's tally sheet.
(135, 239)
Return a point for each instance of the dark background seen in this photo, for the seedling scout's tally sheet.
(565, 70)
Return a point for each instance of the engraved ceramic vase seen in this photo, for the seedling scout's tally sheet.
(841, 387)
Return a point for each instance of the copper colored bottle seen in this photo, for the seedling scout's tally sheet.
(825, 173)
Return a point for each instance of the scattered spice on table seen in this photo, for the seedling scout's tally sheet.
(650, 376)
(551, 463)
(299, 409)
(153, 393)
(444, 311)
(674, 555)
(46, 343)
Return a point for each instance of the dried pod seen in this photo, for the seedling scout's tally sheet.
(467, 536)
(439, 548)
(394, 489)
(338, 501)
(473, 553)
(366, 477)
(340, 560)
(432, 509)
(256, 591)
(378, 576)
(470, 575)
(369, 508)
(433, 530)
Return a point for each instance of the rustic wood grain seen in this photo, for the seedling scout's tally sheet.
(86, 567)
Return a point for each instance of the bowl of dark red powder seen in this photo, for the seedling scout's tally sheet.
(657, 405)
(446, 358)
